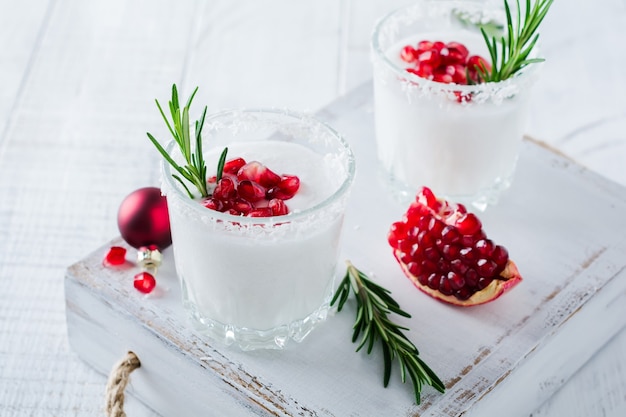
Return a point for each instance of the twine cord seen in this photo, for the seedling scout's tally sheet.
(118, 379)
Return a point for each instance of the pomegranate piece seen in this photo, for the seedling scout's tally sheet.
(445, 252)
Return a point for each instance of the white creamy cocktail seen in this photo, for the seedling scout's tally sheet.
(260, 281)
(460, 140)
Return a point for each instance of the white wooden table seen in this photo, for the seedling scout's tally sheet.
(77, 83)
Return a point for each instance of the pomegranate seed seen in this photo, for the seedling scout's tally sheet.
(278, 207)
(414, 268)
(471, 278)
(463, 293)
(468, 224)
(289, 185)
(458, 266)
(456, 281)
(425, 70)
(427, 198)
(397, 233)
(116, 255)
(144, 282)
(474, 64)
(225, 189)
(433, 281)
(484, 247)
(260, 212)
(287, 188)
(259, 173)
(445, 287)
(450, 234)
(232, 166)
(457, 53)
(251, 191)
(414, 71)
(425, 238)
(424, 46)
(500, 256)
(438, 45)
(483, 283)
(213, 204)
(442, 78)
(450, 252)
(486, 268)
(242, 206)
(408, 54)
(431, 254)
(431, 57)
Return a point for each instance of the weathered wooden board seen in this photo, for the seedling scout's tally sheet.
(562, 224)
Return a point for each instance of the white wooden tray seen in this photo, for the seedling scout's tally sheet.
(563, 225)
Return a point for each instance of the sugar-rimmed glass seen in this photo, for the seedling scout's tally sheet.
(465, 150)
(260, 282)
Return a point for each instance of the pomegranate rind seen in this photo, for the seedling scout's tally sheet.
(509, 278)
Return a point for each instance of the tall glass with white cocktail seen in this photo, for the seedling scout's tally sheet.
(462, 141)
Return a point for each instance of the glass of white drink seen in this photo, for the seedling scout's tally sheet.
(437, 123)
(258, 282)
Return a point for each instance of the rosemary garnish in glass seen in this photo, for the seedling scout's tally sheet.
(195, 169)
(511, 52)
(374, 304)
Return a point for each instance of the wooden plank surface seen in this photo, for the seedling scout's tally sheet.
(77, 81)
(501, 358)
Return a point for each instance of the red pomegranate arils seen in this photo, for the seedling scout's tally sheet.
(116, 255)
(251, 189)
(286, 189)
(261, 212)
(144, 282)
(278, 207)
(259, 173)
(232, 166)
(225, 189)
(448, 63)
(408, 54)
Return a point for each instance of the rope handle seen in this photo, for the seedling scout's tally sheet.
(118, 379)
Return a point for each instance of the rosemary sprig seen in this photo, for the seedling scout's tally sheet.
(195, 169)
(374, 304)
(510, 53)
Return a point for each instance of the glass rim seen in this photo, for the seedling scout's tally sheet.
(350, 163)
(379, 54)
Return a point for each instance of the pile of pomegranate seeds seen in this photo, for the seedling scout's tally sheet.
(443, 62)
(444, 249)
(251, 189)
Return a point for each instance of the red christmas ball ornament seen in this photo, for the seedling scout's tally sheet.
(143, 219)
